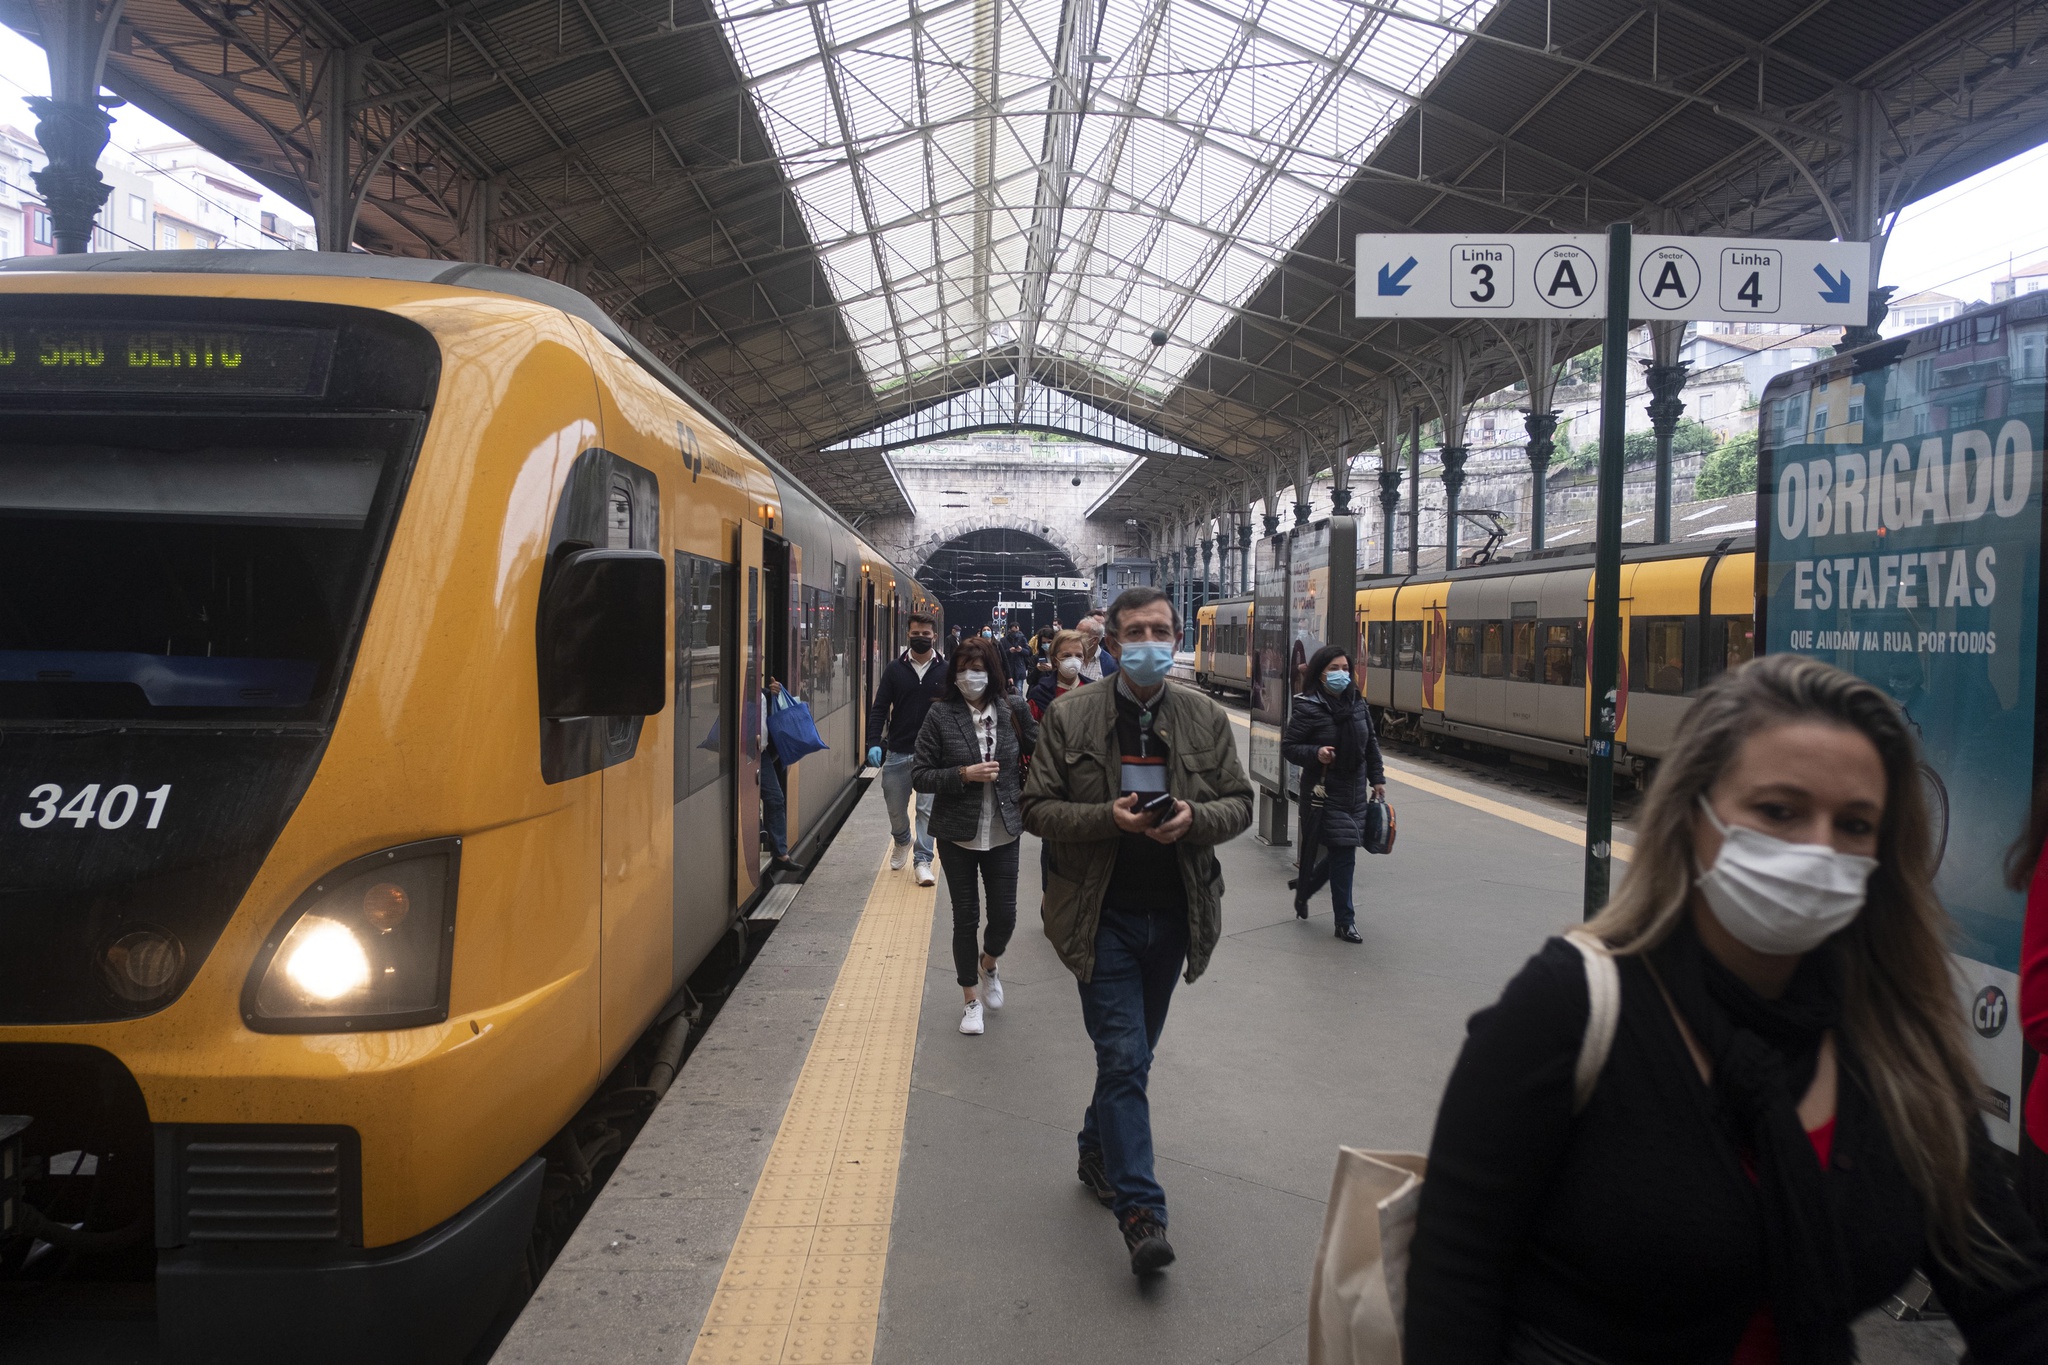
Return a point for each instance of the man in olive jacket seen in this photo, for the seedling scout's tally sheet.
(1132, 897)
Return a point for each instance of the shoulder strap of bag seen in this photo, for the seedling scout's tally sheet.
(1603, 991)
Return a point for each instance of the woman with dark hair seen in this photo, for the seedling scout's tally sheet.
(2026, 870)
(970, 757)
(1786, 1124)
(1329, 737)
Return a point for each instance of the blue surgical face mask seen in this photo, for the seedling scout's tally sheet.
(1336, 681)
(1147, 663)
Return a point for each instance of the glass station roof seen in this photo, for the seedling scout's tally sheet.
(1061, 179)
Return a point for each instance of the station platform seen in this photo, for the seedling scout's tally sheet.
(839, 1175)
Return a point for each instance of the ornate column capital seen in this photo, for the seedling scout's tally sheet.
(1666, 383)
(1454, 468)
(74, 135)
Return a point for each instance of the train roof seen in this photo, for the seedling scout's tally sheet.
(1575, 558)
(412, 270)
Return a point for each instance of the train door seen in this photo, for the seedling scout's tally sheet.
(779, 576)
(872, 667)
(637, 910)
(747, 703)
(707, 669)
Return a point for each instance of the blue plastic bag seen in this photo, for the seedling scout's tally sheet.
(791, 729)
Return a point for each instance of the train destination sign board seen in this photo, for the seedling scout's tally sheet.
(1535, 275)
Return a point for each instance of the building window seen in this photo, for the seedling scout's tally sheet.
(138, 208)
(170, 238)
(39, 226)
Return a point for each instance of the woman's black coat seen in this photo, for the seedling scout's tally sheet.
(1312, 722)
(949, 742)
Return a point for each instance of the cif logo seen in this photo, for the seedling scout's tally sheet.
(693, 456)
(1987, 1016)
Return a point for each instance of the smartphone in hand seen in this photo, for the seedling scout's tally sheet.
(1159, 807)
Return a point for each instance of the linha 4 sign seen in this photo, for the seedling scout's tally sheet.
(1530, 275)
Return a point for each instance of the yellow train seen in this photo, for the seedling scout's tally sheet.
(381, 660)
(1497, 655)
(1223, 645)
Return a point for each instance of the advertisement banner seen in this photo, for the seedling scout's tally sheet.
(1911, 557)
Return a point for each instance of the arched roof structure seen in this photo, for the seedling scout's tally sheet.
(832, 215)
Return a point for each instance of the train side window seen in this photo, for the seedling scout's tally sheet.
(1408, 645)
(1465, 650)
(618, 522)
(1557, 653)
(1662, 646)
(1492, 657)
(702, 616)
(1376, 644)
(1522, 652)
(1737, 641)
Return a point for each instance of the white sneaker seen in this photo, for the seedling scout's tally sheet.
(899, 854)
(925, 878)
(970, 1018)
(991, 988)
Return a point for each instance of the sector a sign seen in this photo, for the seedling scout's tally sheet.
(1533, 275)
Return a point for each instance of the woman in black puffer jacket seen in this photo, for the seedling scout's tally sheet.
(1329, 737)
(970, 756)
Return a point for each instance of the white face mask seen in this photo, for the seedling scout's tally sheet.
(973, 682)
(1779, 897)
(1070, 667)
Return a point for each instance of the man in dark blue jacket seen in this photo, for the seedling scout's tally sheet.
(903, 695)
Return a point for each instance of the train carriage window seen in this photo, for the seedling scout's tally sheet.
(1560, 653)
(1205, 644)
(1737, 641)
(1522, 652)
(1465, 650)
(702, 617)
(1661, 649)
(1376, 643)
(1408, 645)
(1492, 657)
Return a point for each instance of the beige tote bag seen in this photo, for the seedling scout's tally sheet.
(1358, 1295)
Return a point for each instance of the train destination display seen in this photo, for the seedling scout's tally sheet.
(50, 355)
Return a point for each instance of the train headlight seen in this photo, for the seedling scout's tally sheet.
(369, 946)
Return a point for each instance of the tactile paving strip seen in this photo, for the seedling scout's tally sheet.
(804, 1281)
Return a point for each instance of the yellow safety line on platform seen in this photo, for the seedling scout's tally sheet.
(804, 1281)
(1556, 829)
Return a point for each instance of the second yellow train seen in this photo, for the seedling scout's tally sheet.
(1497, 654)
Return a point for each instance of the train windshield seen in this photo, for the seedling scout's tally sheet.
(194, 497)
(185, 566)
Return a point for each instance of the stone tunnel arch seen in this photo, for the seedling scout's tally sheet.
(971, 571)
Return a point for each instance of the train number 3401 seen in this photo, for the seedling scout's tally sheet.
(111, 811)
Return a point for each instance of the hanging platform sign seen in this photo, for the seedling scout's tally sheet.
(1535, 275)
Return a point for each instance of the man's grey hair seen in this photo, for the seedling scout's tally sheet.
(1137, 599)
(1090, 626)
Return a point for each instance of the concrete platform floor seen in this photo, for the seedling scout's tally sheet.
(1292, 1044)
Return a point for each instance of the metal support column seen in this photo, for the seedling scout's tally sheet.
(1340, 468)
(1542, 427)
(72, 123)
(1863, 117)
(1302, 483)
(1454, 483)
(1244, 553)
(1607, 576)
(1665, 375)
(1414, 489)
(1390, 509)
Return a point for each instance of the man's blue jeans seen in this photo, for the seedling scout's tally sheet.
(896, 796)
(1138, 958)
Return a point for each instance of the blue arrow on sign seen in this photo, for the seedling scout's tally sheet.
(1391, 284)
(1834, 290)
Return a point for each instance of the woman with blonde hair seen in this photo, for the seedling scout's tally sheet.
(1067, 648)
(1787, 1123)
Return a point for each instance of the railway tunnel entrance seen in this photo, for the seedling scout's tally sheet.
(979, 577)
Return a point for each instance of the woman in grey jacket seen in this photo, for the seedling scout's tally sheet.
(1329, 736)
(970, 756)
